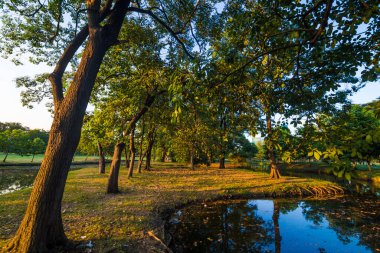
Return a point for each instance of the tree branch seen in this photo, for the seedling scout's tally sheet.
(324, 22)
(55, 77)
(161, 22)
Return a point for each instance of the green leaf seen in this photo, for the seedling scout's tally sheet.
(348, 176)
(368, 138)
(340, 173)
(317, 155)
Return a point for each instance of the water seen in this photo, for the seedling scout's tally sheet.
(14, 178)
(349, 224)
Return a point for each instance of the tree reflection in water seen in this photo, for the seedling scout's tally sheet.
(342, 225)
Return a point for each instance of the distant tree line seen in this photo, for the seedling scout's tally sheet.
(18, 139)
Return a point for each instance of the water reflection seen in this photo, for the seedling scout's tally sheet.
(16, 179)
(344, 225)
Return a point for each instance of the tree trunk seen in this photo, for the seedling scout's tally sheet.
(276, 225)
(222, 161)
(192, 162)
(163, 154)
(32, 158)
(113, 179)
(369, 165)
(274, 171)
(6, 156)
(41, 227)
(148, 156)
(141, 156)
(126, 155)
(102, 160)
(133, 152)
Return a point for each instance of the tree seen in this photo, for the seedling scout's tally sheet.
(41, 227)
(37, 147)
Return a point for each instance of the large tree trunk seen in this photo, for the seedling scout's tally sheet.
(102, 160)
(113, 178)
(133, 152)
(276, 225)
(42, 228)
(274, 171)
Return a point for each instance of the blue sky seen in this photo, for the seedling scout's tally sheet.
(11, 109)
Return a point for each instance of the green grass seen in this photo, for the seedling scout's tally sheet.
(111, 221)
(14, 158)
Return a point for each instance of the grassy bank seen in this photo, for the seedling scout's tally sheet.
(14, 158)
(362, 170)
(122, 221)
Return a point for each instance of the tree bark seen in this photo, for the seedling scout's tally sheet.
(149, 155)
(41, 227)
(163, 154)
(151, 139)
(133, 152)
(222, 161)
(141, 157)
(113, 179)
(126, 155)
(274, 171)
(32, 158)
(102, 160)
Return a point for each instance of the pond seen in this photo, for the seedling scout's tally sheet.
(348, 224)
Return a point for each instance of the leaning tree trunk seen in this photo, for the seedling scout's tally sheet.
(113, 178)
(274, 171)
(41, 227)
(6, 156)
(32, 158)
(102, 160)
(133, 152)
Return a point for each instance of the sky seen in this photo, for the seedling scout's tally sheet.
(11, 109)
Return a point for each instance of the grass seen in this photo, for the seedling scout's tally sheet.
(362, 170)
(14, 158)
(121, 222)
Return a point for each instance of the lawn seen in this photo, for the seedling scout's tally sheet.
(14, 158)
(120, 222)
